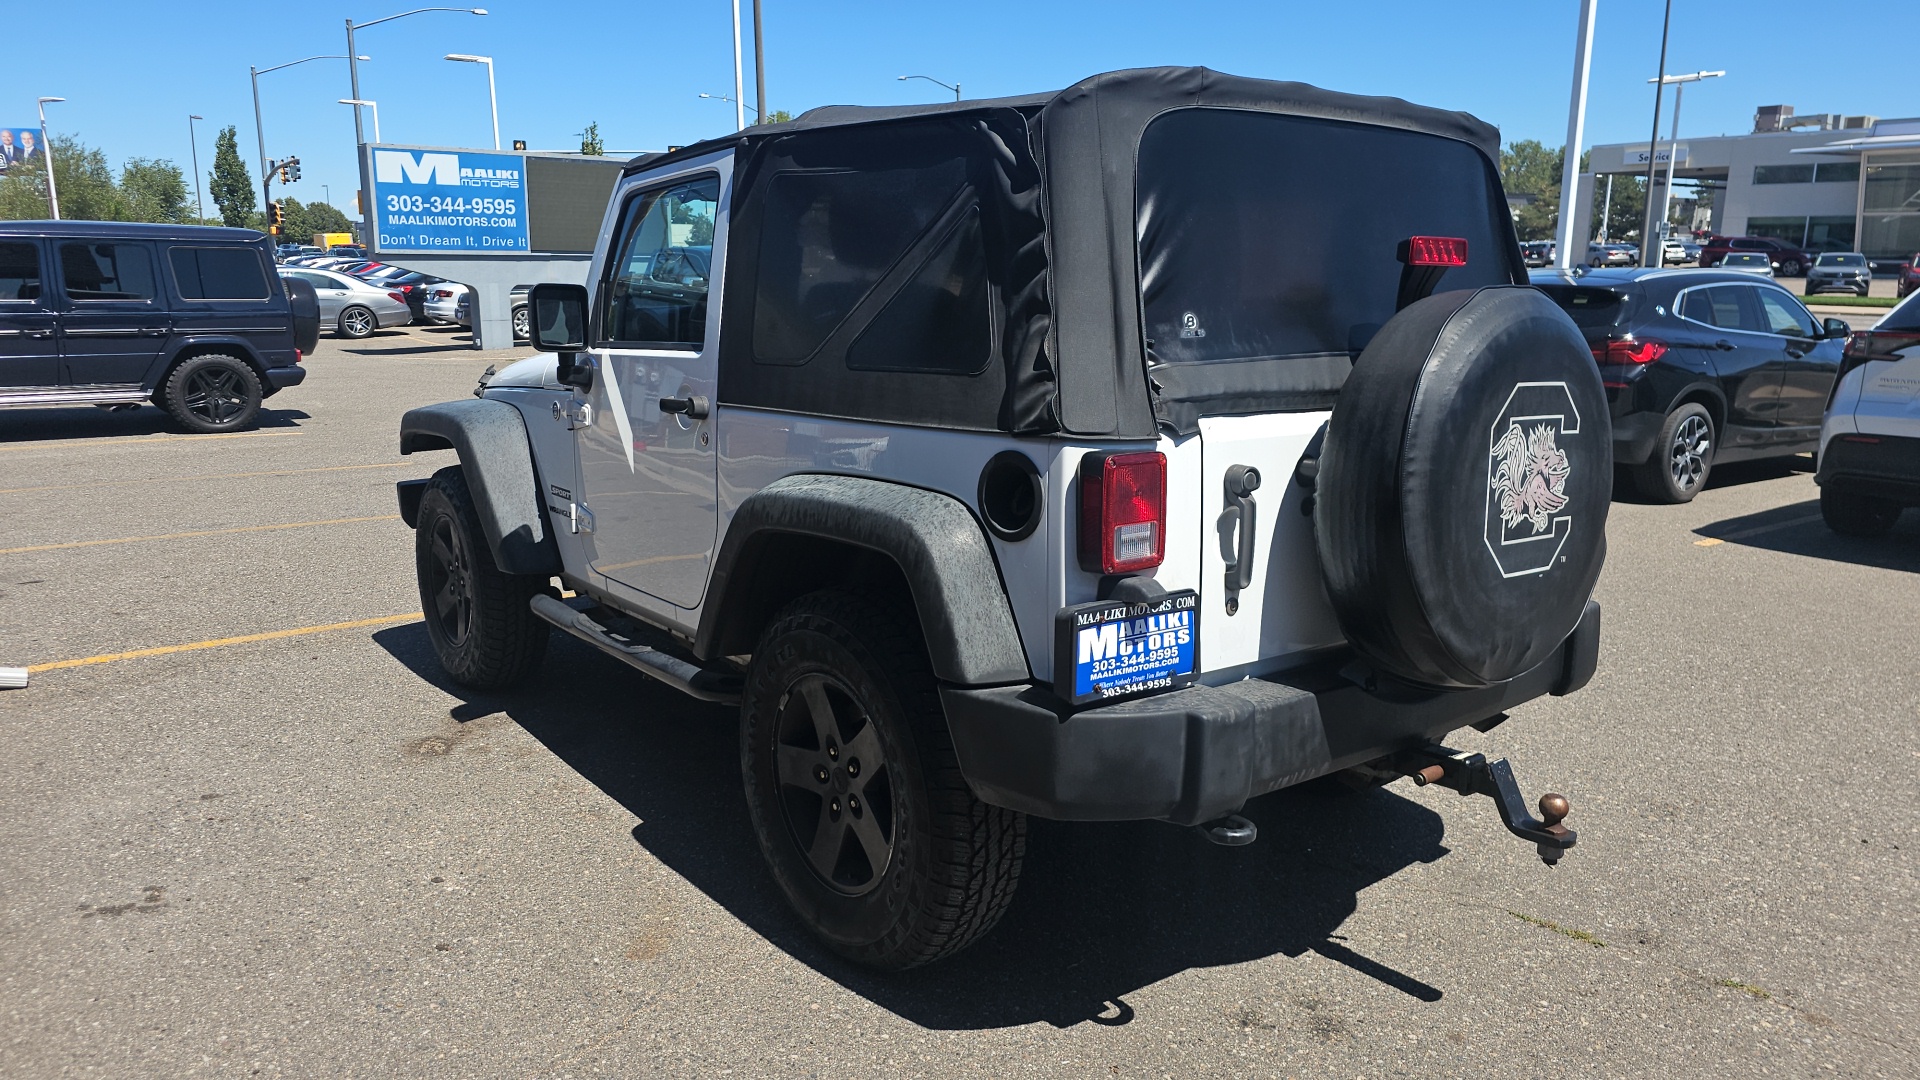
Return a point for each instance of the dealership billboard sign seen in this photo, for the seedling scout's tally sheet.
(454, 201)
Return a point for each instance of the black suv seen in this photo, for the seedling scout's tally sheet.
(1699, 367)
(113, 314)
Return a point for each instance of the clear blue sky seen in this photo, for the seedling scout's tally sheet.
(131, 72)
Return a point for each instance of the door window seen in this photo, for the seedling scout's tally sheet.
(1715, 307)
(106, 271)
(1784, 315)
(218, 273)
(656, 289)
(19, 272)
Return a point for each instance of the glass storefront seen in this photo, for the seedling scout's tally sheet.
(1817, 233)
(1890, 210)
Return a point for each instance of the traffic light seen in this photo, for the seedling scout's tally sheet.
(275, 218)
(293, 169)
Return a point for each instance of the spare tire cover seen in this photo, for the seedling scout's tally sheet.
(1463, 487)
(304, 304)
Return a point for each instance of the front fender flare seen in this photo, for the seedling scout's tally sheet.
(491, 439)
(939, 547)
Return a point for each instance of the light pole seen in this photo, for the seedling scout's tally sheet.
(493, 100)
(723, 97)
(759, 67)
(259, 132)
(193, 142)
(1679, 84)
(1646, 225)
(328, 191)
(739, 88)
(46, 147)
(1576, 135)
(955, 87)
(353, 69)
(374, 105)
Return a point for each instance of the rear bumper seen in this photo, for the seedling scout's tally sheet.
(1634, 434)
(1198, 754)
(1887, 468)
(280, 378)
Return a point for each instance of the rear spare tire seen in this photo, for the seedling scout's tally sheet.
(1463, 489)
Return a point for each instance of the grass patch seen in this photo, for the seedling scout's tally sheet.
(1759, 992)
(1830, 300)
(1565, 931)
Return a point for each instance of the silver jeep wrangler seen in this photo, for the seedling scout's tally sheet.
(1125, 452)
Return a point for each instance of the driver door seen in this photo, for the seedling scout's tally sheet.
(646, 450)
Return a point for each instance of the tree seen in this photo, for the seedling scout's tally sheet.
(777, 116)
(232, 185)
(304, 220)
(1527, 167)
(1625, 212)
(590, 143)
(86, 187)
(155, 190)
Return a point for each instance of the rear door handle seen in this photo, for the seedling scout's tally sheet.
(693, 408)
(1724, 345)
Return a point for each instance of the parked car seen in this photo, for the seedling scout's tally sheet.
(1790, 261)
(463, 311)
(905, 493)
(1611, 255)
(1909, 277)
(1747, 262)
(353, 307)
(1870, 444)
(113, 314)
(1701, 367)
(1834, 272)
(348, 250)
(1679, 252)
(1539, 252)
(443, 302)
(413, 286)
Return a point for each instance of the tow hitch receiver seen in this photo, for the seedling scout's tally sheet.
(1473, 774)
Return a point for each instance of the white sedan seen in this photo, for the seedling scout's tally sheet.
(356, 308)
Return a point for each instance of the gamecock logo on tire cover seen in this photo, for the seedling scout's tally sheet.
(1527, 474)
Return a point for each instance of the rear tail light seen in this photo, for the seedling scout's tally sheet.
(1123, 512)
(298, 355)
(402, 297)
(1629, 351)
(1435, 251)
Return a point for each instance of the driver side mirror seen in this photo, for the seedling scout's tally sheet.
(1837, 328)
(560, 326)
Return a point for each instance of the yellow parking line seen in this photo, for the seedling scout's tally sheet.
(164, 650)
(204, 476)
(152, 439)
(1742, 534)
(191, 535)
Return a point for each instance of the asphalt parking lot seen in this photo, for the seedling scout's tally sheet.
(272, 841)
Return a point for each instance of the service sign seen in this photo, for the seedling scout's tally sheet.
(1113, 649)
(449, 201)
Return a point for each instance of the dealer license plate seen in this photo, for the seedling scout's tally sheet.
(1113, 649)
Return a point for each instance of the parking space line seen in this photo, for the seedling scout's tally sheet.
(272, 635)
(148, 439)
(204, 476)
(191, 535)
(1742, 534)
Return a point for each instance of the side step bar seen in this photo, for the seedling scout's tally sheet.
(67, 395)
(688, 678)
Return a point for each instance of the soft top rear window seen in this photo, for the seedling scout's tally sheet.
(1591, 308)
(1268, 242)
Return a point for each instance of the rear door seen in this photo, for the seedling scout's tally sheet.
(113, 322)
(223, 289)
(1808, 364)
(1745, 358)
(646, 454)
(29, 352)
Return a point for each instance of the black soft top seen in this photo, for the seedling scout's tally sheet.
(1090, 378)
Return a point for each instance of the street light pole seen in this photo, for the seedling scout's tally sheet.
(259, 133)
(359, 133)
(1653, 140)
(193, 142)
(955, 87)
(739, 89)
(46, 147)
(492, 99)
(374, 105)
(1576, 137)
(759, 67)
(1679, 83)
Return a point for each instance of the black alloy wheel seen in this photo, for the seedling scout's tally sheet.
(477, 616)
(213, 393)
(1790, 268)
(1682, 457)
(835, 791)
(448, 581)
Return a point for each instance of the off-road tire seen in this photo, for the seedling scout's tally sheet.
(1665, 478)
(477, 616)
(213, 393)
(1857, 515)
(952, 861)
(357, 322)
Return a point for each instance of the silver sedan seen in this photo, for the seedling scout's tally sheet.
(356, 308)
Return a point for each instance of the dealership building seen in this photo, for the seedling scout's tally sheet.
(1825, 182)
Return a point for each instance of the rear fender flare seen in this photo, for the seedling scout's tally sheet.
(941, 551)
(491, 439)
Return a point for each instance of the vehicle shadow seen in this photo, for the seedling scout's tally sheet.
(1729, 474)
(1797, 529)
(465, 346)
(88, 422)
(1102, 910)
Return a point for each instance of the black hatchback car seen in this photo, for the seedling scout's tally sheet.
(1701, 366)
(114, 314)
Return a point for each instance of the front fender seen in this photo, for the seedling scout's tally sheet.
(940, 549)
(491, 439)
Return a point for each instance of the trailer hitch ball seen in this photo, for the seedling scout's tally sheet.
(1554, 808)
